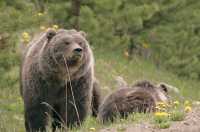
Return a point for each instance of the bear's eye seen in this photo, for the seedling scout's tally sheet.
(80, 43)
(67, 43)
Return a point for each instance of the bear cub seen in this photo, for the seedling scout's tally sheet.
(141, 97)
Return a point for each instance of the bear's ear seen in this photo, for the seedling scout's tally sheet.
(164, 88)
(50, 34)
(83, 33)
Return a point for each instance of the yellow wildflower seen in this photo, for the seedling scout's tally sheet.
(25, 34)
(188, 109)
(176, 103)
(92, 129)
(40, 14)
(145, 45)
(26, 37)
(43, 28)
(161, 105)
(164, 105)
(55, 27)
(158, 108)
(161, 114)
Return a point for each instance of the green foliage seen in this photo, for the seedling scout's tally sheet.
(163, 125)
(170, 28)
(60, 12)
(8, 70)
(177, 115)
(16, 17)
(175, 40)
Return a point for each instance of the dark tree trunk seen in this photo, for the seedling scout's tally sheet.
(76, 5)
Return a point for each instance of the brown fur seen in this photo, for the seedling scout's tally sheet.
(96, 98)
(57, 66)
(141, 97)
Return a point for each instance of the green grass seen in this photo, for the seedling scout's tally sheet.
(110, 62)
(177, 115)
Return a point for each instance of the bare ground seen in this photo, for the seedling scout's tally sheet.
(191, 123)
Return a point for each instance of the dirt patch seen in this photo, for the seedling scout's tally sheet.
(191, 123)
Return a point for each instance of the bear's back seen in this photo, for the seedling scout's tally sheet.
(30, 56)
(35, 46)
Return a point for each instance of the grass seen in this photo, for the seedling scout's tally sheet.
(110, 62)
(177, 115)
(166, 113)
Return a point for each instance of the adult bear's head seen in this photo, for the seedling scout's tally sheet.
(65, 53)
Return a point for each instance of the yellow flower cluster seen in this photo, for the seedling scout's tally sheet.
(161, 106)
(54, 27)
(92, 129)
(188, 108)
(40, 14)
(161, 114)
(172, 111)
(25, 37)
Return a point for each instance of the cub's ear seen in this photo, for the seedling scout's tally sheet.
(50, 34)
(83, 33)
(164, 88)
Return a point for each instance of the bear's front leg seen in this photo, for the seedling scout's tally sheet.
(96, 98)
(79, 98)
(36, 117)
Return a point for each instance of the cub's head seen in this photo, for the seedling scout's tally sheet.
(160, 92)
(68, 52)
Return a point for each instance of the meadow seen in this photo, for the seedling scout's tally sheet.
(109, 63)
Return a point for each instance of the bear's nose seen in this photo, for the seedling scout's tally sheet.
(78, 50)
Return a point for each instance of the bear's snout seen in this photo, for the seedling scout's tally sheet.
(78, 50)
(77, 53)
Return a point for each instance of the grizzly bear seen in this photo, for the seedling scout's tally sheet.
(57, 80)
(141, 97)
